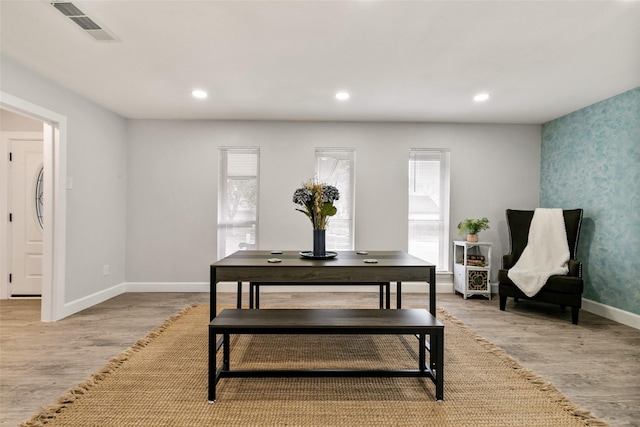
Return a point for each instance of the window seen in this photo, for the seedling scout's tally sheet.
(238, 188)
(39, 197)
(336, 166)
(429, 206)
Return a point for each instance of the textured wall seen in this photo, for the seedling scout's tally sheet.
(591, 159)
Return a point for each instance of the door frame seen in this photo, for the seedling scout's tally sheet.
(54, 207)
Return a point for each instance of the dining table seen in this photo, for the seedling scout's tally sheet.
(341, 268)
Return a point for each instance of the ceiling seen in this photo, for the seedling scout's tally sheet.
(285, 60)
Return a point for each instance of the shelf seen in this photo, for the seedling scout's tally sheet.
(470, 278)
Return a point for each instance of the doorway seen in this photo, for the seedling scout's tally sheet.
(53, 209)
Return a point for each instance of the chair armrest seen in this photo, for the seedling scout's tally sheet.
(575, 268)
(507, 261)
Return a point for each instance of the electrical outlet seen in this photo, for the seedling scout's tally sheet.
(105, 270)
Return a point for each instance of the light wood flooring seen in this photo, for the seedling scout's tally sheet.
(596, 364)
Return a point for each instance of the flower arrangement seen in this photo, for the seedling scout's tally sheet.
(317, 200)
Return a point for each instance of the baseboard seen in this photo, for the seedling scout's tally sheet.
(173, 287)
(90, 300)
(612, 313)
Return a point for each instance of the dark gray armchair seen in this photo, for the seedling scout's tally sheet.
(565, 290)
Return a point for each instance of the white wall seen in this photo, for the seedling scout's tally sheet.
(173, 172)
(96, 160)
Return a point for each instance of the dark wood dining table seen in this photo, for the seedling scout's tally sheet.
(264, 266)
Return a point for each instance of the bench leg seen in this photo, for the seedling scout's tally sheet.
(433, 349)
(422, 352)
(439, 350)
(225, 352)
(212, 366)
(214, 375)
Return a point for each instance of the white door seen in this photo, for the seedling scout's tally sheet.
(26, 217)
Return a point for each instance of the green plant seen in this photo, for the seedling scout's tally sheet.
(473, 226)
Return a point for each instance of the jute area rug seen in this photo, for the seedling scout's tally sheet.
(162, 381)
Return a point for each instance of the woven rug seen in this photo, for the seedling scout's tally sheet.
(162, 381)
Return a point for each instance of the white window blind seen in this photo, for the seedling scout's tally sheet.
(429, 206)
(238, 187)
(337, 167)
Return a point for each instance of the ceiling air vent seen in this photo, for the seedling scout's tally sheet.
(88, 25)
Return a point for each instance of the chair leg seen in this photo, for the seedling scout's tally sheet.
(503, 302)
(574, 315)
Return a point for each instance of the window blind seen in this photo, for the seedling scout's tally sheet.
(238, 187)
(429, 172)
(337, 167)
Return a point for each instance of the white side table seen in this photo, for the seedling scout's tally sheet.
(472, 268)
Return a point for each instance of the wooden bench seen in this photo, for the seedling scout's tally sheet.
(417, 322)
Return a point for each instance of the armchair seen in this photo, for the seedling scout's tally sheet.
(564, 290)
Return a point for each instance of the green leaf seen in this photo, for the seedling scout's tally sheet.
(328, 209)
(304, 212)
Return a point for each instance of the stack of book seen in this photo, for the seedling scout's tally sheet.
(476, 260)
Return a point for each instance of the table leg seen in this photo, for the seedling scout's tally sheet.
(388, 292)
(239, 303)
(398, 295)
(257, 291)
(432, 290)
(213, 291)
(251, 290)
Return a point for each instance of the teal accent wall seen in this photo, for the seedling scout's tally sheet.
(590, 159)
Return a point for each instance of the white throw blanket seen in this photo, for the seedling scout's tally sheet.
(546, 254)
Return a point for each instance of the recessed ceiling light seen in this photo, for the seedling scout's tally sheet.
(481, 97)
(199, 94)
(342, 96)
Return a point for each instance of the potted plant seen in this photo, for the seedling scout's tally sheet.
(471, 227)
